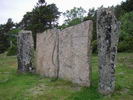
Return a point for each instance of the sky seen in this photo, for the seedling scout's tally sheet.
(15, 9)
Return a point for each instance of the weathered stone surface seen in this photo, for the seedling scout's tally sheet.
(107, 36)
(25, 51)
(47, 53)
(66, 54)
(74, 53)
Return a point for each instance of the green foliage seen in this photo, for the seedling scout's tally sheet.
(126, 45)
(126, 35)
(13, 35)
(70, 23)
(4, 44)
(73, 17)
(12, 50)
(74, 14)
(126, 25)
(74, 22)
(124, 7)
(8, 26)
(123, 46)
(4, 29)
(127, 6)
(41, 18)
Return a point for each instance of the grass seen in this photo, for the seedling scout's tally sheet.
(14, 86)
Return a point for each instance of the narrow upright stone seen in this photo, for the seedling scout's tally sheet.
(25, 51)
(107, 36)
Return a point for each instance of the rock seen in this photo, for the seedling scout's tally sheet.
(66, 54)
(25, 51)
(74, 53)
(107, 36)
(47, 53)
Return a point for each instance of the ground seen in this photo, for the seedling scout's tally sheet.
(15, 86)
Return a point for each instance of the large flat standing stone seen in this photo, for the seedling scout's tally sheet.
(25, 51)
(47, 56)
(74, 53)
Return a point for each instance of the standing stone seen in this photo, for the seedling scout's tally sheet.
(47, 53)
(74, 53)
(107, 36)
(25, 51)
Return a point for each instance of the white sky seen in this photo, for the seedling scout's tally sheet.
(15, 9)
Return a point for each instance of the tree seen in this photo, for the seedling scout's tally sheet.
(127, 25)
(26, 22)
(75, 13)
(4, 29)
(12, 37)
(73, 17)
(41, 1)
(123, 8)
(41, 18)
(3, 40)
(126, 34)
(127, 6)
(9, 25)
(45, 17)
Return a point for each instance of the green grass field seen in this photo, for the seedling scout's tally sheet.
(14, 86)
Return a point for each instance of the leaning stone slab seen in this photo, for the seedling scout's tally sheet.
(47, 53)
(107, 36)
(74, 53)
(25, 51)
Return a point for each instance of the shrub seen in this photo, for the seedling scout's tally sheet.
(126, 33)
(12, 51)
(126, 45)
